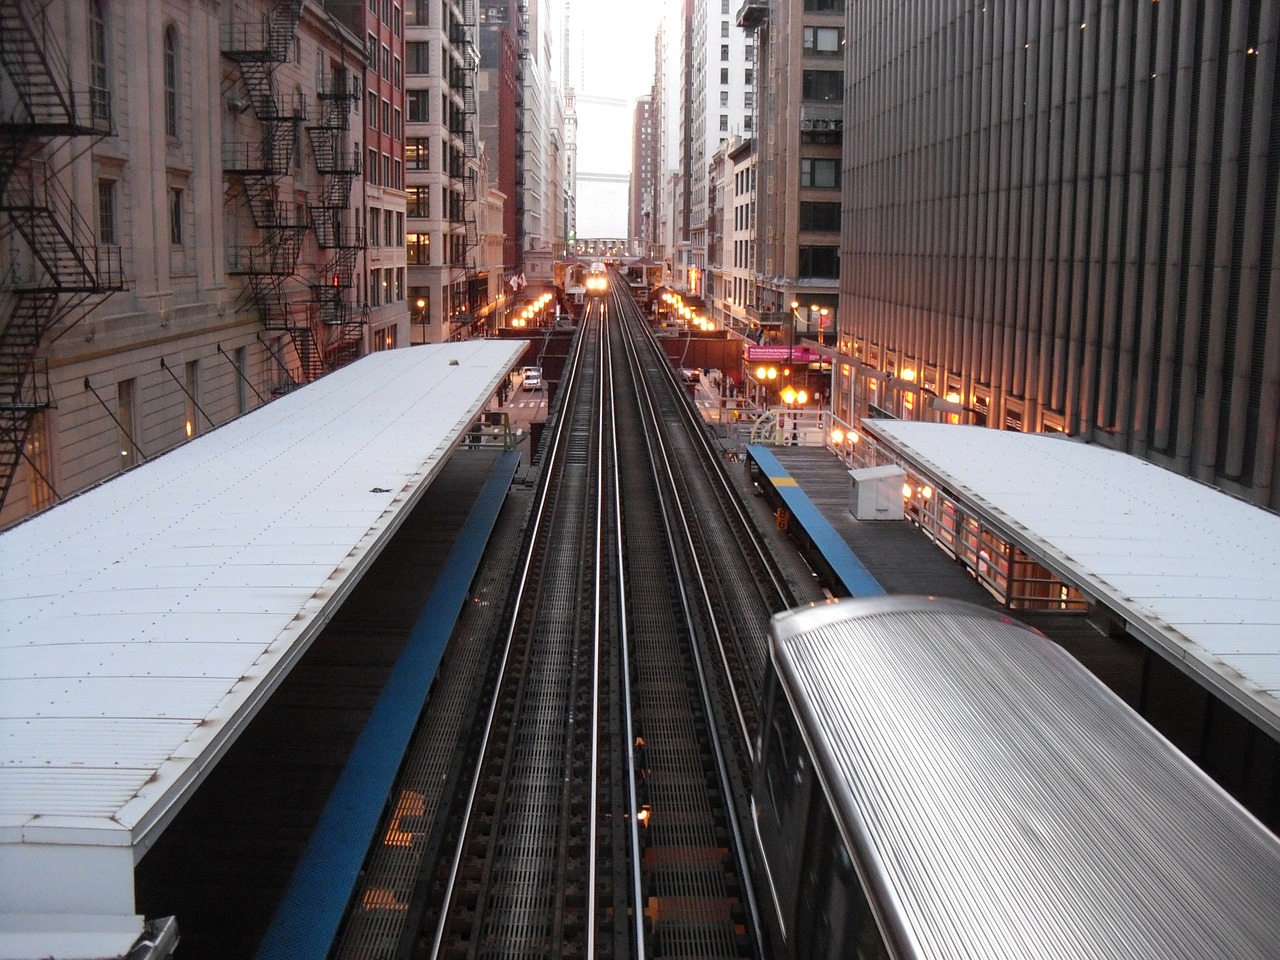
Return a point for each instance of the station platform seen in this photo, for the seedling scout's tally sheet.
(256, 827)
(902, 560)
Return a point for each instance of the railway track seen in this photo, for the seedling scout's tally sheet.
(602, 802)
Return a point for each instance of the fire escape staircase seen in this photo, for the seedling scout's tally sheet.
(258, 48)
(63, 265)
(338, 330)
(522, 75)
(470, 150)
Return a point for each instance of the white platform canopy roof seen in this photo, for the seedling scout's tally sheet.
(1195, 572)
(143, 623)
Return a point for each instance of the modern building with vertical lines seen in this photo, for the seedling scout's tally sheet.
(1062, 217)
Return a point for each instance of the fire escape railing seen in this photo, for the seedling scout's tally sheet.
(63, 265)
(258, 48)
(339, 325)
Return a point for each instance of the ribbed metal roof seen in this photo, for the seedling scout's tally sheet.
(144, 622)
(1195, 572)
(1009, 803)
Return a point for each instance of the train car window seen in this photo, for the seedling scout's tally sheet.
(833, 919)
(787, 779)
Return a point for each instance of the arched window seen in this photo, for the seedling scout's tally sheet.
(171, 81)
(99, 79)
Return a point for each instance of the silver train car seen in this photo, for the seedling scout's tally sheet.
(936, 781)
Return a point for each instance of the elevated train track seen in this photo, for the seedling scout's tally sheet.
(600, 810)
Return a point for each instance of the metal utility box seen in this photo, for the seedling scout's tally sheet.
(877, 493)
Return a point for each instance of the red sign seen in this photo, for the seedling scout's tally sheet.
(792, 354)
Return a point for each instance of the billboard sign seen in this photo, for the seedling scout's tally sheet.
(774, 352)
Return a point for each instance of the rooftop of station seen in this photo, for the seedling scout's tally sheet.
(1194, 572)
(145, 622)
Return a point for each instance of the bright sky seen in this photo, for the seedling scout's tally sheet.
(612, 53)
(611, 65)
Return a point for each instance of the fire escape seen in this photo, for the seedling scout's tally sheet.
(62, 265)
(337, 327)
(470, 150)
(522, 77)
(258, 48)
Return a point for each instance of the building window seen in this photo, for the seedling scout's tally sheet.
(724, 98)
(398, 174)
(417, 56)
(824, 217)
(371, 172)
(824, 6)
(820, 262)
(399, 229)
(386, 62)
(175, 217)
(127, 422)
(171, 81)
(724, 28)
(99, 76)
(724, 51)
(397, 20)
(823, 40)
(724, 74)
(416, 154)
(387, 220)
(819, 172)
(386, 117)
(724, 121)
(749, 76)
(386, 170)
(397, 129)
(415, 13)
(192, 392)
(242, 379)
(822, 85)
(39, 454)
(417, 104)
(371, 50)
(372, 109)
(375, 240)
(418, 248)
(420, 305)
(397, 72)
(107, 233)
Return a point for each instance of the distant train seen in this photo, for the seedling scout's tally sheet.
(934, 780)
(597, 279)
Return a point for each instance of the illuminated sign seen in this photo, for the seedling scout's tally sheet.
(775, 352)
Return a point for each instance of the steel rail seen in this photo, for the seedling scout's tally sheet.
(557, 449)
(783, 597)
(597, 628)
(628, 704)
(657, 446)
(645, 397)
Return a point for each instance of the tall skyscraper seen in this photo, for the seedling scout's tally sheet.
(1068, 223)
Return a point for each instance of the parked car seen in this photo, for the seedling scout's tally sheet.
(690, 374)
(532, 379)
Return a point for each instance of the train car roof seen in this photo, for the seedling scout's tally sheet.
(145, 622)
(1008, 803)
(1194, 572)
